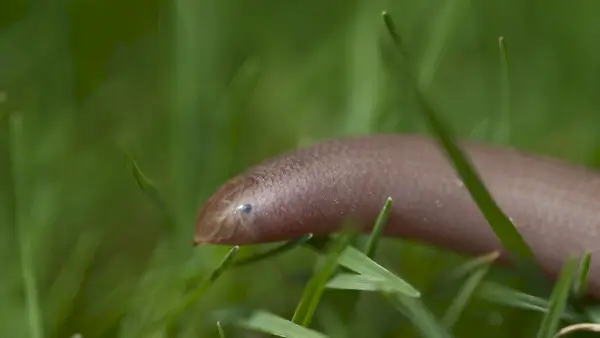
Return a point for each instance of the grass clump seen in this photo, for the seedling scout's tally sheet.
(198, 99)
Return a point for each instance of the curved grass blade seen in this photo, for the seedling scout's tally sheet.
(274, 252)
(583, 273)
(500, 223)
(378, 229)
(316, 285)
(588, 327)
(558, 300)
(463, 297)
(148, 188)
(357, 261)
(221, 331)
(266, 322)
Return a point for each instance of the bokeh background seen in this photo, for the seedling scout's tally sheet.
(196, 90)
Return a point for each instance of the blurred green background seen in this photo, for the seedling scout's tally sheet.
(195, 91)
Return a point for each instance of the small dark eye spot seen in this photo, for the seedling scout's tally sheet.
(245, 208)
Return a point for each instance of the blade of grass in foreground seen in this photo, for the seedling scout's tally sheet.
(504, 295)
(315, 287)
(583, 273)
(357, 261)
(589, 327)
(380, 224)
(502, 135)
(266, 322)
(349, 310)
(202, 288)
(27, 266)
(558, 300)
(500, 223)
(352, 281)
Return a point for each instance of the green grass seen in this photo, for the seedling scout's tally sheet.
(99, 244)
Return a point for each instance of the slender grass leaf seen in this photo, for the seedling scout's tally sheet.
(148, 188)
(558, 300)
(474, 264)
(266, 322)
(588, 327)
(583, 274)
(391, 28)
(17, 152)
(357, 261)
(378, 229)
(274, 252)
(502, 135)
(463, 297)
(316, 285)
(221, 331)
(423, 319)
(504, 295)
(351, 281)
(500, 223)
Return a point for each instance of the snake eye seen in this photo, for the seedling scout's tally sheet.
(245, 208)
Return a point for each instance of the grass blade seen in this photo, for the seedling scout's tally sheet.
(474, 264)
(588, 327)
(503, 134)
(580, 284)
(315, 287)
(351, 281)
(274, 252)
(357, 261)
(558, 300)
(148, 188)
(380, 224)
(503, 295)
(266, 322)
(462, 298)
(221, 332)
(17, 150)
(500, 223)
